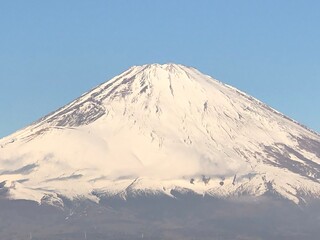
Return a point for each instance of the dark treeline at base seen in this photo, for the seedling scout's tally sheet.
(160, 218)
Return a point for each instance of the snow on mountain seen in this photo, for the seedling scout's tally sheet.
(157, 128)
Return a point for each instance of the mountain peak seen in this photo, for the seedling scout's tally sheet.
(165, 66)
(156, 69)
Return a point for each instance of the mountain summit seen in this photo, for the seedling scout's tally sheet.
(155, 129)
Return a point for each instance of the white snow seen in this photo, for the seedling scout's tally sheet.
(158, 127)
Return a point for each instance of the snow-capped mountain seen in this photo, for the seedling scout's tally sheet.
(155, 129)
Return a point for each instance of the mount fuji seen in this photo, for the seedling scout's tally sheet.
(158, 130)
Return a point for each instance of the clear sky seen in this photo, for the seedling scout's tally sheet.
(53, 51)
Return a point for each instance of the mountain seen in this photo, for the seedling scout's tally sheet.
(161, 130)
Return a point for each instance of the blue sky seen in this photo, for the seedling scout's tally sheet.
(53, 51)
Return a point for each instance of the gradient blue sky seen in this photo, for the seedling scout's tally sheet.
(53, 51)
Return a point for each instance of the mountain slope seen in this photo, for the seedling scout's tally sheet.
(157, 128)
